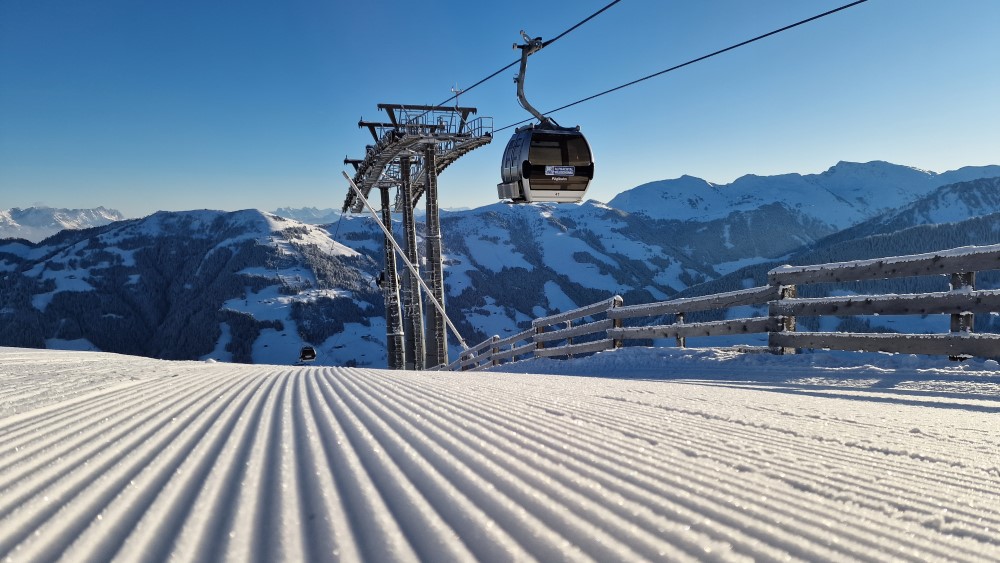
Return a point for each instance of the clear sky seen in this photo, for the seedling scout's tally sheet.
(187, 104)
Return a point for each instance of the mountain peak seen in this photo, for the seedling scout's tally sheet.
(874, 167)
(311, 215)
(845, 194)
(694, 180)
(40, 222)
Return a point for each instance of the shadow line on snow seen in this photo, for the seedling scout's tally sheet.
(866, 394)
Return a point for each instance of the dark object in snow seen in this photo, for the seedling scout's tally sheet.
(307, 354)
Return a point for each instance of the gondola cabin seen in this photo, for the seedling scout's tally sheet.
(307, 354)
(545, 162)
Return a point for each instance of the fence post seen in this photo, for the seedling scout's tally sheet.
(681, 341)
(616, 302)
(962, 282)
(539, 330)
(962, 322)
(569, 339)
(786, 323)
(494, 350)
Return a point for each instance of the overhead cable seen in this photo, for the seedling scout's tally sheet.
(692, 61)
(545, 44)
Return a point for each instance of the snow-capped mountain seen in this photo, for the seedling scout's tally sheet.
(244, 286)
(844, 195)
(252, 286)
(948, 204)
(326, 216)
(507, 264)
(955, 215)
(38, 223)
(309, 215)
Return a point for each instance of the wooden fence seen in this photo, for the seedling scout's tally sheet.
(601, 325)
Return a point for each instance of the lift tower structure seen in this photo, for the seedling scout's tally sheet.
(411, 149)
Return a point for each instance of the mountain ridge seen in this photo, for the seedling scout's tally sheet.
(242, 286)
(38, 223)
(252, 286)
(845, 194)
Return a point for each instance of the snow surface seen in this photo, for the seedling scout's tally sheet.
(669, 455)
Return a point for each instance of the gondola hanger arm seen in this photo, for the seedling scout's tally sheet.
(530, 46)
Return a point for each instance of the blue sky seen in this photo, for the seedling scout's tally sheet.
(142, 106)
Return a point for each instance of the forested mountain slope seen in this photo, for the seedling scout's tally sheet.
(243, 286)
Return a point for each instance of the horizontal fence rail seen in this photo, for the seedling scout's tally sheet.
(966, 259)
(970, 345)
(711, 328)
(752, 296)
(578, 330)
(602, 324)
(919, 304)
(586, 311)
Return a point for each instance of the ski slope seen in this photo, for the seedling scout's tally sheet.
(682, 455)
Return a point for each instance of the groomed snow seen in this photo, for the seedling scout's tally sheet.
(670, 455)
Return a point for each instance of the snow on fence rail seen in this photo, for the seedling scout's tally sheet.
(962, 303)
(780, 296)
(539, 341)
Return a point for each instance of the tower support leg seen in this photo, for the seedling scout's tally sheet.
(390, 291)
(437, 331)
(413, 314)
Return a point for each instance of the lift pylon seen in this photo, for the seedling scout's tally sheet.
(426, 139)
